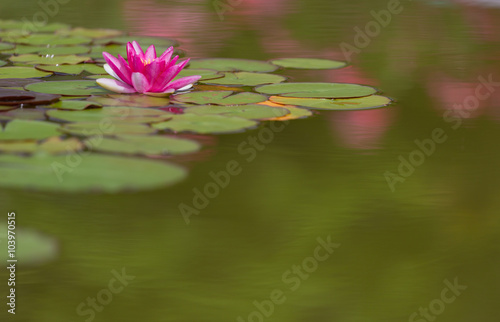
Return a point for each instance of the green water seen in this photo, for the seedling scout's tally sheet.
(397, 250)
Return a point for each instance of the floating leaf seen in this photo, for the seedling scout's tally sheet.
(73, 105)
(220, 98)
(24, 49)
(205, 124)
(308, 63)
(17, 82)
(21, 72)
(73, 69)
(53, 145)
(10, 96)
(250, 111)
(204, 73)
(66, 50)
(144, 145)
(33, 248)
(317, 90)
(112, 114)
(157, 41)
(68, 88)
(23, 114)
(2, 63)
(295, 112)
(90, 33)
(4, 108)
(6, 46)
(130, 100)
(87, 173)
(231, 65)
(33, 59)
(28, 130)
(368, 102)
(106, 128)
(52, 40)
(246, 79)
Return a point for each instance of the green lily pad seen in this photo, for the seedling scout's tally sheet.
(17, 82)
(113, 114)
(232, 65)
(68, 88)
(157, 41)
(33, 248)
(66, 50)
(115, 50)
(317, 90)
(10, 96)
(250, 111)
(204, 73)
(205, 124)
(23, 114)
(2, 63)
(53, 145)
(220, 98)
(308, 63)
(86, 173)
(6, 46)
(90, 33)
(246, 79)
(4, 108)
(52, 40)
(29, 130)
(106, 128)
(21, 72)
(362, 103)
(73, 105)
(73, 69)
(33, 59)
(144, 145)
(24, 49)
(295, 114)
(130, 100)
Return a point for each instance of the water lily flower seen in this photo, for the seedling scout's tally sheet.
(145, 73)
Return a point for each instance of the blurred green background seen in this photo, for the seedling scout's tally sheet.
(322, 176)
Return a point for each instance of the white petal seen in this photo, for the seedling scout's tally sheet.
(115, 86)
(110, 71)
(185, 88)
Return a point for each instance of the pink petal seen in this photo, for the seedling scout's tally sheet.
(181, 82)
(150, 53)
(174, 71)
(167, 54)
(152, 71)
(138, 49)
(115, 86)
(120, 68)
(165, 76)
(140, 82)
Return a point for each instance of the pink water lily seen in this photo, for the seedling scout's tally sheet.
(145, 72)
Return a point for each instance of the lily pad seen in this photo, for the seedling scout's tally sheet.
(52, 40)
(65, 50)
(157, 41)
(34, 248)
(144, 145)
(4, 108)
(10, 96)
(317, 90)
(23, 114)
(17, 82)
(250, 111)
(2, 63)
(112, 114)
(73, 105)
(87, 173)
(232, 65)
(53, 145)
(295, 112)
(206, 124)
(25, 49)
(204, 73)
(246, 79)
(28, 130)
(6, 46)
(68, 88)
(106, 128)
(90, 33)
(33, 59)
(73, 69)
(362, 103)
(21, 72)
(130, 100)
(220, 98)
(308, 63)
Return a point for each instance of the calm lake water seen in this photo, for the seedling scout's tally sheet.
(408, 195)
